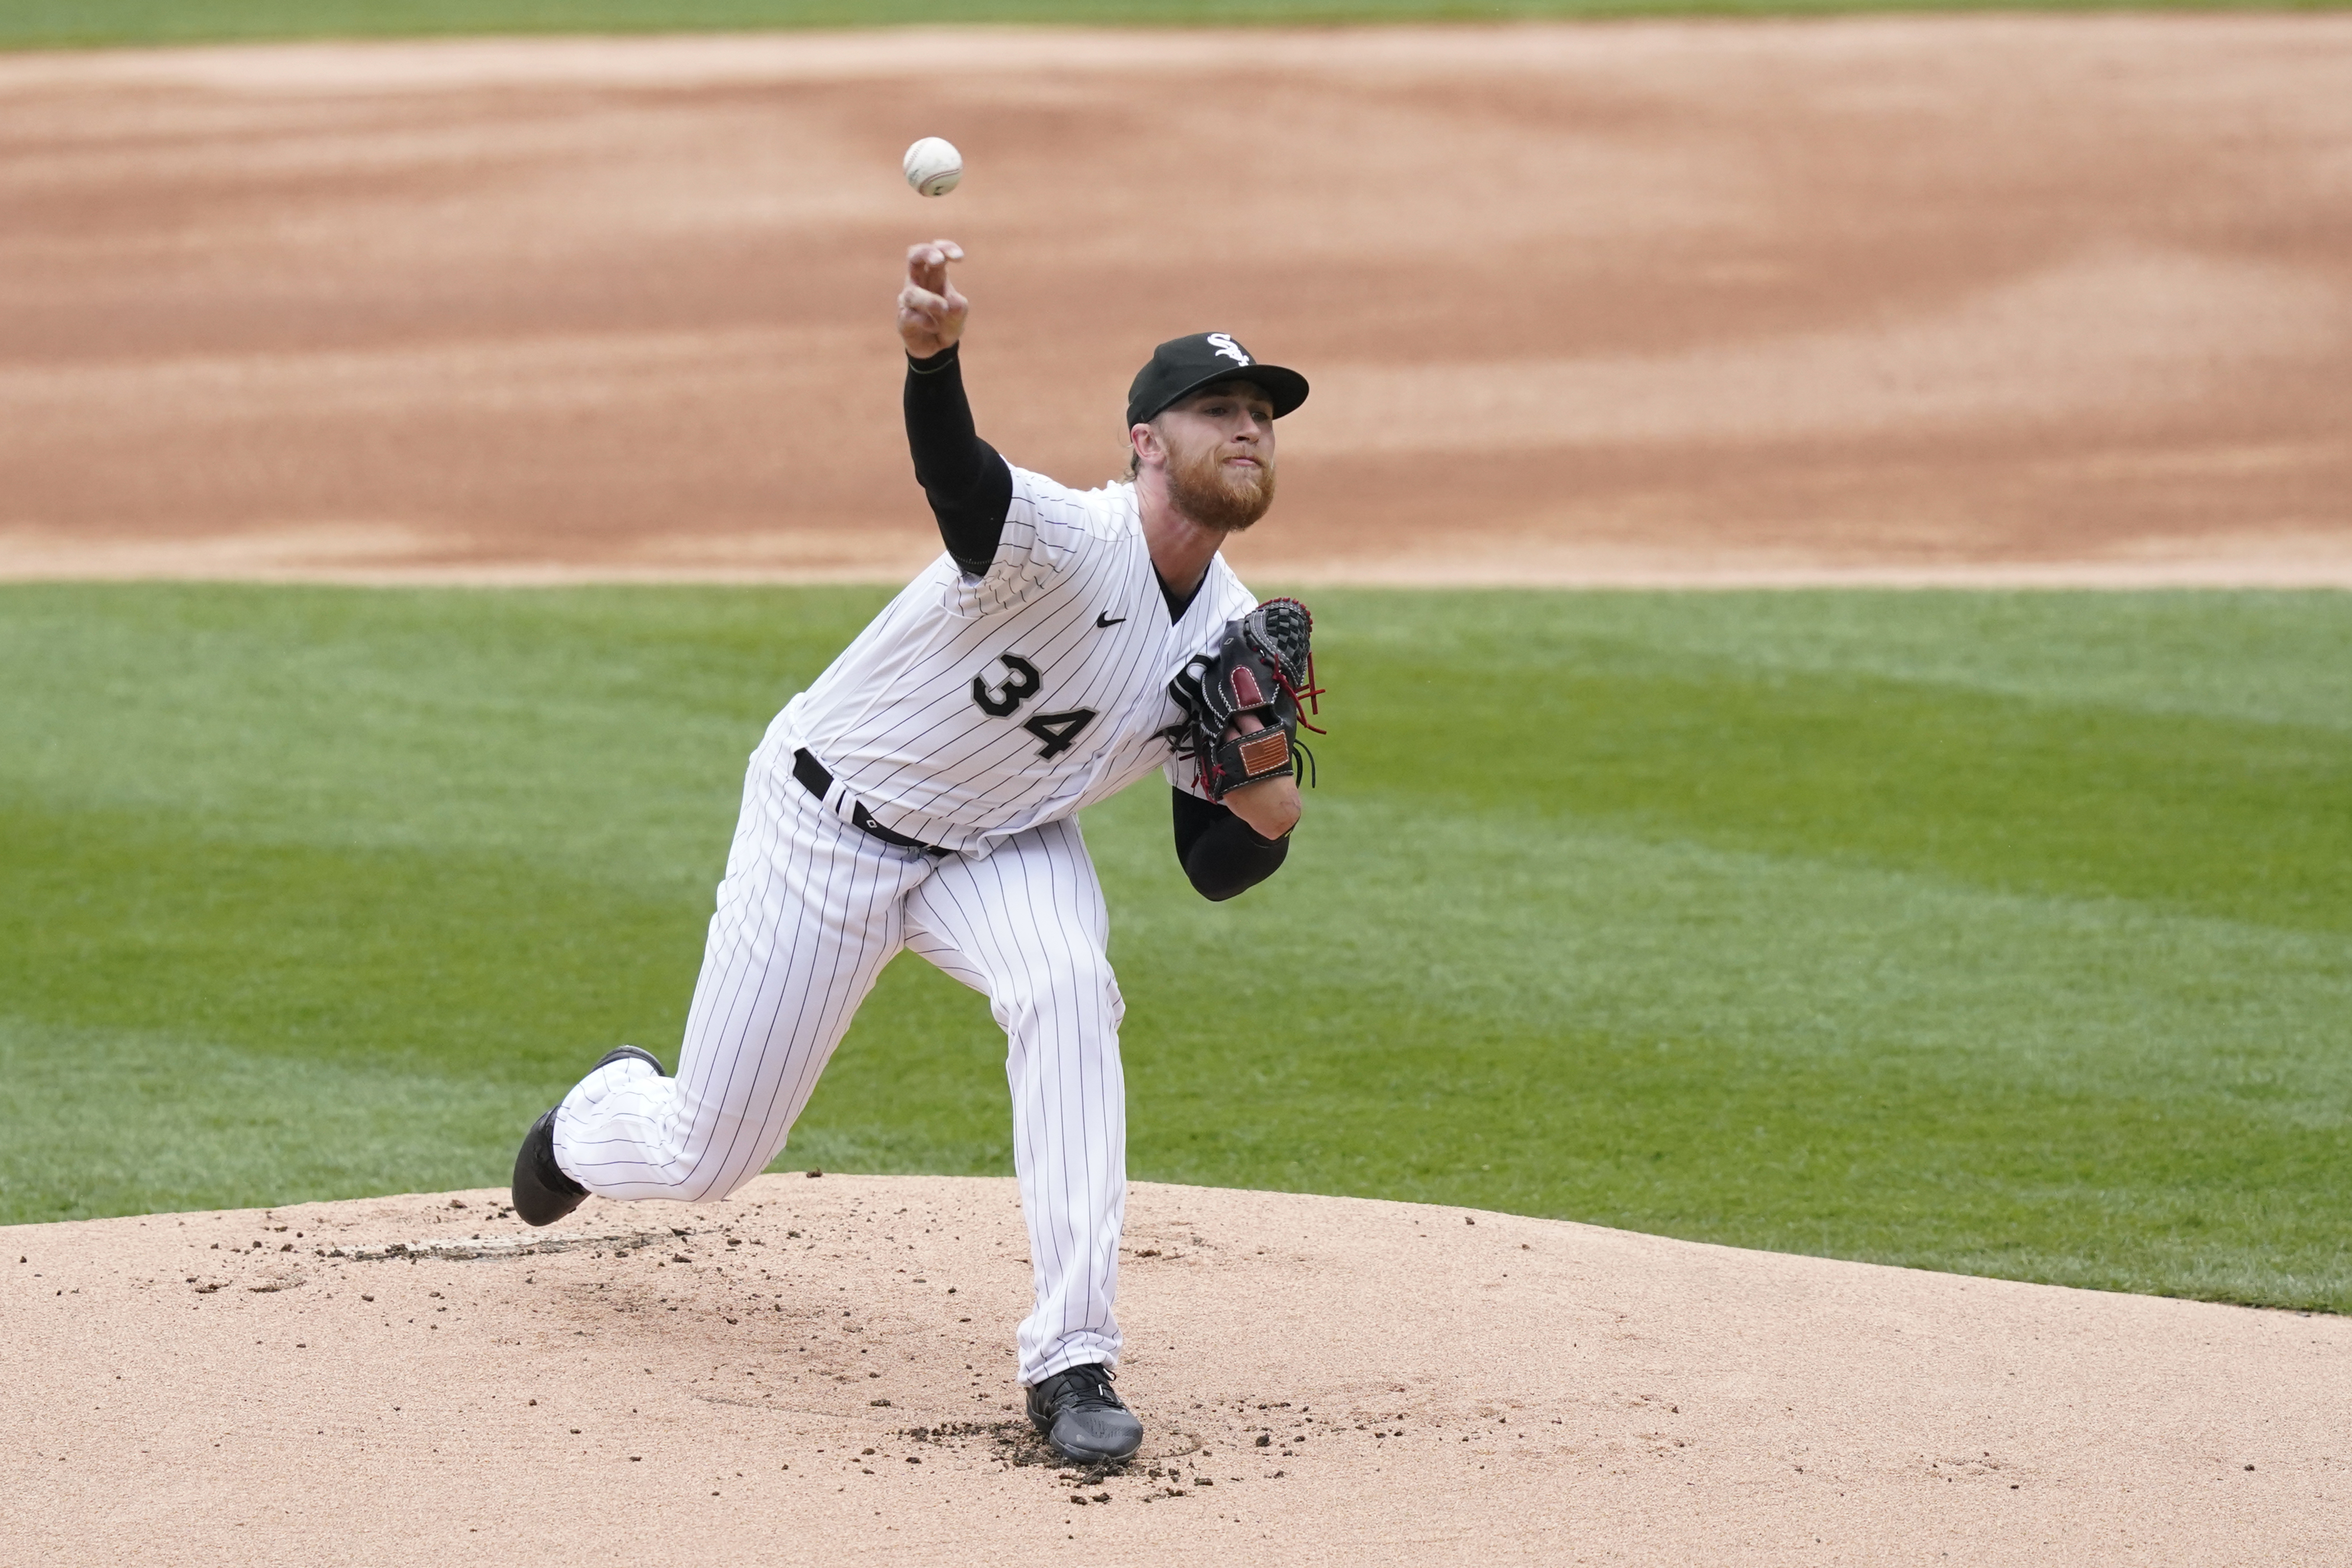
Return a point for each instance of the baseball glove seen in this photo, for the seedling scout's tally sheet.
(1263, 669)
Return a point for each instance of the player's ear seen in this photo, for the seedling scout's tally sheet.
(1143, 440)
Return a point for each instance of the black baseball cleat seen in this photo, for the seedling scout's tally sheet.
(542, 1192)
(1082, 1419)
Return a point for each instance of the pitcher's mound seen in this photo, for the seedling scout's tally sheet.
(820, 1371)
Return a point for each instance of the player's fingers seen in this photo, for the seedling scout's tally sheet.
(926, 267)
(921, 301)
(928, 263)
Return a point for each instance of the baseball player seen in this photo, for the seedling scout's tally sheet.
(924, 793)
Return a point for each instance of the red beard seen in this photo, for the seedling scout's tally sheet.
(1226, 500)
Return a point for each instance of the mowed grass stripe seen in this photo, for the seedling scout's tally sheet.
(485, 966)
(129, 1123)
(1540, 715)
(2012, 939)
(1735, 1048)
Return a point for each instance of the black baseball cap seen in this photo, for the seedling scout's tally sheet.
(1181, 366)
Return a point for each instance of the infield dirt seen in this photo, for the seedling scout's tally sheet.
(820, 1371)
(2006, 298)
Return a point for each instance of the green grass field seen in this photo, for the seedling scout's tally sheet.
(31, 24)
(2005, 933)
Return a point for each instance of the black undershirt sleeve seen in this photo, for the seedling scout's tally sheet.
(1222, 855)
(968, 486)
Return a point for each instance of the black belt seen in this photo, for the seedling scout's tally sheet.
(815, 779)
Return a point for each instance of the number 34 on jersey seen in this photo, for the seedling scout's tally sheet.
(1003, 700)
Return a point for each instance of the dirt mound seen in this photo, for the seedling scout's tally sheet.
(820, 1371)
(2001, 299)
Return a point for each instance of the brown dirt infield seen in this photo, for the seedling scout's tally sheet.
(2010, 298)
(1435, 1385)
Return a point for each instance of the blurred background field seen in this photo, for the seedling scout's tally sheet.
(1997, 933)
(1984, 298)
(53, 23)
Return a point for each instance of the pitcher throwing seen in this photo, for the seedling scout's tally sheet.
(924, 793)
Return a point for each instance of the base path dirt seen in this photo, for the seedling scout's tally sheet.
(820, 1371)
(2004, 299)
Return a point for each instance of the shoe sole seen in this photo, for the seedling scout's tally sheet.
(1082, 1456)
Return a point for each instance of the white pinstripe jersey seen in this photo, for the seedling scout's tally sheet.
(974, 707)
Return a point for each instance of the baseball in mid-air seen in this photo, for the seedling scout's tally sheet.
(933, 166)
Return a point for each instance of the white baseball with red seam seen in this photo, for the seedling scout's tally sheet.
(933, 166)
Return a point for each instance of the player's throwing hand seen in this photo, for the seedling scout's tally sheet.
(931, 312)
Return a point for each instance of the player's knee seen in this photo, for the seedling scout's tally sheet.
(1073, 986)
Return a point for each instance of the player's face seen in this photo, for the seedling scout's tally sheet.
(1220, 453)
(1234, 417)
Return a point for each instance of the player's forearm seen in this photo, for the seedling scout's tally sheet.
(968, 485)
(1271, 807)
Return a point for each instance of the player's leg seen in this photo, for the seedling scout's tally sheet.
(807, 915)
(1027, 927)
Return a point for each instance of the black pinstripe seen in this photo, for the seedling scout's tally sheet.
(894, 719)
(812, 908)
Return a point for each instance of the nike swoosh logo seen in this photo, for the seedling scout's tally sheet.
(1107, 619)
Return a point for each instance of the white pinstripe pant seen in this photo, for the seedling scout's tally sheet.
(809, 912)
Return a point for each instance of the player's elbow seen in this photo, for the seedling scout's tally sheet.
(1226, 863)
(1223, 882)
